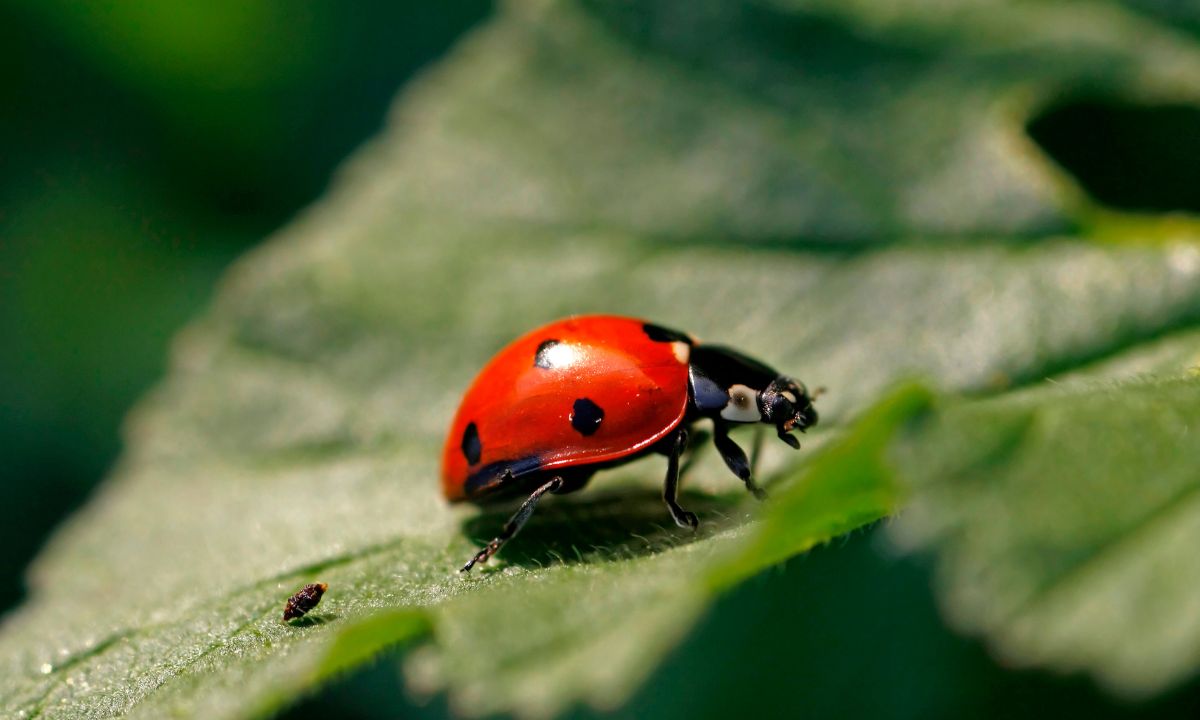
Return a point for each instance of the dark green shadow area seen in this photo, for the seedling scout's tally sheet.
(1143, 158)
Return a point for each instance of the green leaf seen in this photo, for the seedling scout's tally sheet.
(1066, 521)
(575, 158)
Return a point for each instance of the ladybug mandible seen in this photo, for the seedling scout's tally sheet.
(587, 393)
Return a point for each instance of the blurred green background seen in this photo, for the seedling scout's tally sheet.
(144, 145)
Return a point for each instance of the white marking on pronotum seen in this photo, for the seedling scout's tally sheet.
(790, 397)
(682, 351)
(742, 406)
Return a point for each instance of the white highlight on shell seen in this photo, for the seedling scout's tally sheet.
(683, 351)
(742, 406)
(561, 355)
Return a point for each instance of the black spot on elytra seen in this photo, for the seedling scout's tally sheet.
(658, 333)
(542, 357)
(471, 446)
(586, 416)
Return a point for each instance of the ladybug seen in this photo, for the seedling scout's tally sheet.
(587, 393)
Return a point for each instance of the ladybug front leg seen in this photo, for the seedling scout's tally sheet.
(514, 524)
(682, 517)
(735, 458)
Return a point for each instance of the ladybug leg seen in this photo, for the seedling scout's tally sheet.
(735, 458)
(695, 443)
(514, 524)
(682, 517)
(756, 449)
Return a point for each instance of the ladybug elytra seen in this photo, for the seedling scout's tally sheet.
(587, 393)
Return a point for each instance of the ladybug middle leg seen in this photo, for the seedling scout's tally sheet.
(515, 523)
(682, 517)
(697, 439)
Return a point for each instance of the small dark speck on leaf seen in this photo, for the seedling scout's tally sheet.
(305, 599)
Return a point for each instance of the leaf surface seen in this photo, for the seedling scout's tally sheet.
(1066, 520)
(690, 168)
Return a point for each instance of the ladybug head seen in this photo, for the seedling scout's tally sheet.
(787, 405)
(731, 387)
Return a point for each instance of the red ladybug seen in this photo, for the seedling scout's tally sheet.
(587, 393)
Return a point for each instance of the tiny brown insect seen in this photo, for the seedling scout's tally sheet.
(305, 599)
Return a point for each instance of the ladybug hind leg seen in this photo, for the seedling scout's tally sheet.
(735, 459)
(683, 518)
(515, 523)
